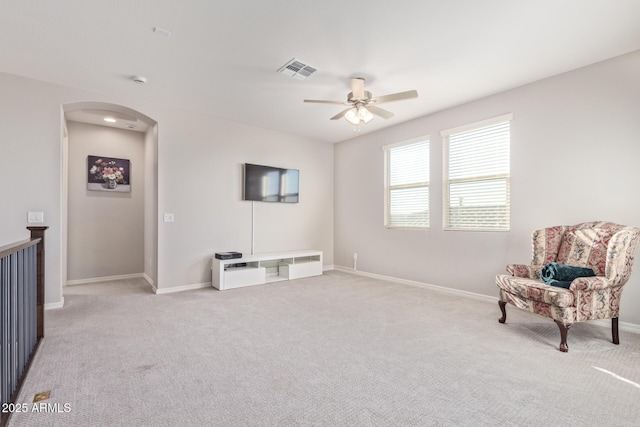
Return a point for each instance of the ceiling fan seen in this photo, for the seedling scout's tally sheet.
(362, 106)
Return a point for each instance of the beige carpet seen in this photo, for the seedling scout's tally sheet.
(335, 350)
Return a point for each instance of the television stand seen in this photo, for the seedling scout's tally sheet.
(259, 269)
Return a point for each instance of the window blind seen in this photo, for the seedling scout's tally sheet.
(407, 185)
(477, 175)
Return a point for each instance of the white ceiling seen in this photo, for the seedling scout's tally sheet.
(222, 56)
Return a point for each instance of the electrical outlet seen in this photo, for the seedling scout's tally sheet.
(168, 217)
(355, 256)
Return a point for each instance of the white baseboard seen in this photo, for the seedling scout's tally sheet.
(104, 279)
(629, 327)
(458, 292)
(55, 305)
(181, 288)
(146, 277)
(150, 282)
(623, 326)
(328, 267)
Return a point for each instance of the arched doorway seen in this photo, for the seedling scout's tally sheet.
(89, 261)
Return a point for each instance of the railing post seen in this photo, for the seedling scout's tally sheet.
(38, 233)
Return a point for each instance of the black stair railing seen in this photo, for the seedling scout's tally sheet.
(21, 313)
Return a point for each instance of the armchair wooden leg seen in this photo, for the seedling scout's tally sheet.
(502, 305)
(614, 330)
(563, 335)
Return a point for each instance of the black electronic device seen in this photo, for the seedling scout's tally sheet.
(270, 184)
(228, 255)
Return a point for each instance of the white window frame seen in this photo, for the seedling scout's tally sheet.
(388, 188)
(447, 182)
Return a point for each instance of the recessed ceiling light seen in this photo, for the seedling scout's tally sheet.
(109, 119)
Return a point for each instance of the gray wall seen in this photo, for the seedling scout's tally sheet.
(574, 158)
(106, 229)
(199, 180)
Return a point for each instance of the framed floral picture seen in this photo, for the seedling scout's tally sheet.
(108, 174)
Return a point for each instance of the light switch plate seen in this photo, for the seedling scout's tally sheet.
(35, 217)
(168, 217)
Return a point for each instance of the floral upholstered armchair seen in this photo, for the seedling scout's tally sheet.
(605, 247)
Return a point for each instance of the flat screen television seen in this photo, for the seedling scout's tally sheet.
(270, 184)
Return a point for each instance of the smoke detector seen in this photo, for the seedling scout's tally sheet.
(139, 79)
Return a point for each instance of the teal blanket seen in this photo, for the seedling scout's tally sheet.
(562, 275)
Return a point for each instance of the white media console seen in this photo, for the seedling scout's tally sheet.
(264, 268)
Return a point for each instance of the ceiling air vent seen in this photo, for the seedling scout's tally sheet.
(297, 69)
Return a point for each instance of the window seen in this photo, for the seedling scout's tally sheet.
(407, 184)
(476, 176)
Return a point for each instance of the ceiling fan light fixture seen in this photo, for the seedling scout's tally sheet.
(352, 116)
(364, 114)
(362, 106)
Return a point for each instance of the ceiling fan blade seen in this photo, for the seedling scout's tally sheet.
(321, 101)
(340, 114)
(357, 88)
(379, 112)
(395, 97)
